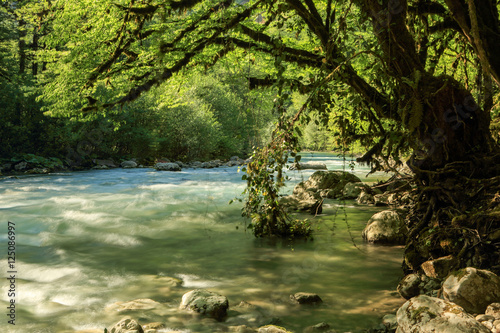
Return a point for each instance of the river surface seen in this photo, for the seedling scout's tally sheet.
(86, 240)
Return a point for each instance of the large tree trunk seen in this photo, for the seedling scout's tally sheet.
(448, 123)
(453, 151)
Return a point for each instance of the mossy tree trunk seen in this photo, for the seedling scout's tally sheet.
(452, 146)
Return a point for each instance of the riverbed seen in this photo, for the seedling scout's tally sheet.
(87, 240)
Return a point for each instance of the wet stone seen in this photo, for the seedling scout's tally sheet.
(306, 298)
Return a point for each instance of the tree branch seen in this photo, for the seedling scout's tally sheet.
(314, 24)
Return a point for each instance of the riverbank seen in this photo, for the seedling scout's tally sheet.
(32, 164)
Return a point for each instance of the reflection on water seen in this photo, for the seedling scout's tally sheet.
(87, 240)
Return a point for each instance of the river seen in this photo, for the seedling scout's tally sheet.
(86, 240)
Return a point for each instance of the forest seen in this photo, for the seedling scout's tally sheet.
(392, 83)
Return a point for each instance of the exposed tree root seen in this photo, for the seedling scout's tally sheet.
(456, 212)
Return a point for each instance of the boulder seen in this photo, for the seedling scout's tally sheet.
(235, 160)
(382, 199)
(306, 298)
(329, 184)
(308, 195)
(413, 285)
(473, 289)
(438, 268)
(303, 199)
(195, 164)
(128, 164)
(206, 303)
(167, 166)
(365, 198)
(353, 190)
(409, 286)
(208, 165)
(233, 163)
(425, 314)
(385, 227)
(126, 325)
(308, 165)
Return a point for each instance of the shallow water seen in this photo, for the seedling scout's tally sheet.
(86, 240)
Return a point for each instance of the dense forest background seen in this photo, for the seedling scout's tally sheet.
(200, 114)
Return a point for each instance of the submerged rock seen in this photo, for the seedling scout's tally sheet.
(321, 327)
(135, 305)
(206, 303)
(385, 227)
(425, 314)
(473, 289)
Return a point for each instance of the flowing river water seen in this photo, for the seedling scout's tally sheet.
(86, 240)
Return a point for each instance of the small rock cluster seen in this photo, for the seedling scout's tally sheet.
(166, 165)
(468, 300)
(208, 305)
(309, 195)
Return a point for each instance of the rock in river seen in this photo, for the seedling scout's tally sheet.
(385, 227)
(167, 167)
(127, 325)
(308, 195)
(306, 298)
(206, 303)
(128, 164)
